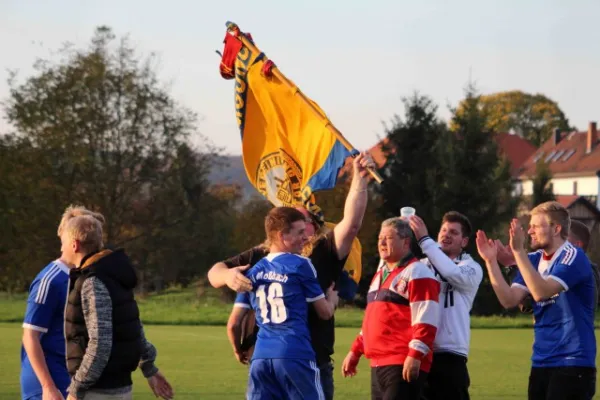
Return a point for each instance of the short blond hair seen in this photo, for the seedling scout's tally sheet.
(557, 214)
(76, 211)
(87, 230)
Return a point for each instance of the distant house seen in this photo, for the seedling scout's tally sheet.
(580, 208)
(573, 159)
(516, 149)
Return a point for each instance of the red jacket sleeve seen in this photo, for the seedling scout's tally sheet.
(358, 345)
(424, 292)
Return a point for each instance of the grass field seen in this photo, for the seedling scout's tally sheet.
(200, 365)
(207, 307)
(195, 355)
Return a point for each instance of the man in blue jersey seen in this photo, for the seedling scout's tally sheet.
(559, 278)
(43, 365)
(284, 285)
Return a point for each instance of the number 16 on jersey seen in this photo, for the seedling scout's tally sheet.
(270, 302)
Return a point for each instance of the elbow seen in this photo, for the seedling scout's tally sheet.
(326, 316)
(212, 276)
(327, 313)
(539, 297)
(507, 305)
(234, 324)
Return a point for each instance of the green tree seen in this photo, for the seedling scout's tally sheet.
(478, 182)
(250, 223)
(542, 188)
(413, 172)
(96, 127)
(25, 201)
(533, 116)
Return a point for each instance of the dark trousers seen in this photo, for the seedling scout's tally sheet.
(326, 371)
(562, 383)
(448, 378)
(387, 384)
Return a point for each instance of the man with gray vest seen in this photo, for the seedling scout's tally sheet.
(105, 340)
(460, 276)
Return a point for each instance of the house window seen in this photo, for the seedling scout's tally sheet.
(575, 187)
(557, 156)
(549, 156)
(568, 155)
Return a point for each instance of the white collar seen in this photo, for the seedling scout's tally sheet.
(63, 267)
(557, 252)
(271, 256)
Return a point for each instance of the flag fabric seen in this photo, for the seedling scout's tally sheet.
(287, 149)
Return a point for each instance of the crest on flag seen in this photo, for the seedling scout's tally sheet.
(279, 179)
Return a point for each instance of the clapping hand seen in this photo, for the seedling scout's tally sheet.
(486, 247)
(505, 254)
(517, 235)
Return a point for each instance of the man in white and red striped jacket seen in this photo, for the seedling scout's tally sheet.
(400, 321)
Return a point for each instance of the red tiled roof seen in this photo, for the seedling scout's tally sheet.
(516, 149)
(566, 200)
(569, 156)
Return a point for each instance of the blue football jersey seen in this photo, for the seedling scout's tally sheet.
(283, 285)
(564, 324)
(45, 314)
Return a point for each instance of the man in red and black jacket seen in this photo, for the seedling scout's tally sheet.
(400, 321)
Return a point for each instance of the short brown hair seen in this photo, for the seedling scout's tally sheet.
(280, 219)
(557, 214)
(581, 232)
(456, 217)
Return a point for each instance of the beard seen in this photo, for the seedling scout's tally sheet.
(535, 245)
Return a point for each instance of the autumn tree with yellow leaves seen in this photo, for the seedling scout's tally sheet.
(532, 116)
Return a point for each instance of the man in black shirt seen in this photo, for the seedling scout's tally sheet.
(327, 250)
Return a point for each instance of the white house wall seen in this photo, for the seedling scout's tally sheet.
(586, 186)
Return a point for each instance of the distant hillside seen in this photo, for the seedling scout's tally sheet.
(230, 169)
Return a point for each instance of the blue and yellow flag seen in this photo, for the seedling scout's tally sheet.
(289, 152)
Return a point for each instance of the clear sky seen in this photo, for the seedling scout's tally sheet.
(357, 59)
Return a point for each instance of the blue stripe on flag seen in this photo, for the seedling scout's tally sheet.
(326, 177)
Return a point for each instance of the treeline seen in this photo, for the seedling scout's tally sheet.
(97, 128)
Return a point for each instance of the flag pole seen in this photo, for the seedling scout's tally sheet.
(277, 73)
